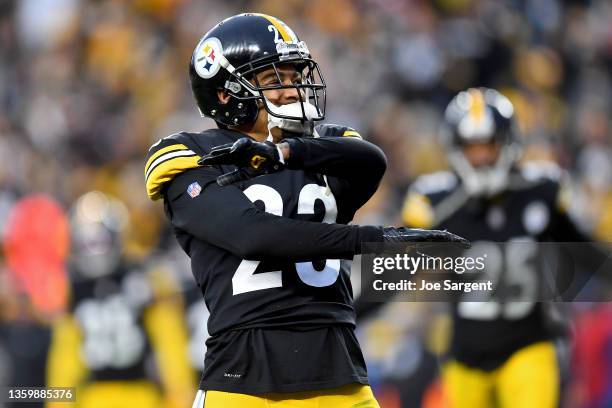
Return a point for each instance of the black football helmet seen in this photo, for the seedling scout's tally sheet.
(229, 55)
(97, 225)
(481, 115)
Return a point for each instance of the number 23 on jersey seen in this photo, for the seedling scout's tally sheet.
(246, 280)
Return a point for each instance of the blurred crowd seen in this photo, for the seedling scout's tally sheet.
(86, 86)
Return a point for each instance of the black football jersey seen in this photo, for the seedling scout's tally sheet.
(531, 210)
(109, 312)
(277, 323)
(196, 315)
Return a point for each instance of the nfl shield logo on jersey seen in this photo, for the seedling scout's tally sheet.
(194, 189)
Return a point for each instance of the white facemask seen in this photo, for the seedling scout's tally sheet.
(486, 181)
(293, 109)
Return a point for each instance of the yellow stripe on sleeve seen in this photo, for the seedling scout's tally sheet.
(162, 151)
(166, 171)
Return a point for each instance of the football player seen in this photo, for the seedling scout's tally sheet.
(123, 336)
(260, 205)
(501, 350)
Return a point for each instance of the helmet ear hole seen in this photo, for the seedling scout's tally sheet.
(223, 96)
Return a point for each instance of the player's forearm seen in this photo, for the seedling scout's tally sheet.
(354, 165)
(266, 235)
(348, 158)
(224, 216)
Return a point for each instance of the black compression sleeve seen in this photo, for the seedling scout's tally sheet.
(225, 217)
(337, 156)
(357, 165)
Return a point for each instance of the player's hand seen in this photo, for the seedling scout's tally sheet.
(403, 234)
(252, 158)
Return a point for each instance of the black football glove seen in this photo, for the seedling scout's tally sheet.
(403, 234)
(252, 158)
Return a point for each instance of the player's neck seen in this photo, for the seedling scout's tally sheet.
(257, 135)
(258, 130)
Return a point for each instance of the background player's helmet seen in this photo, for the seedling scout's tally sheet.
(97, 224)
(481, 115)
(229, 55)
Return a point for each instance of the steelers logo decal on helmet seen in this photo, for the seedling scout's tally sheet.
(206, 57)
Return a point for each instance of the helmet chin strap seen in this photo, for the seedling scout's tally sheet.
(488, 181)
(297, 127)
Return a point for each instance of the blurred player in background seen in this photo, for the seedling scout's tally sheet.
(33, 289)
(123, 343)
(172, 259)
(259, 205)
(502, 351)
